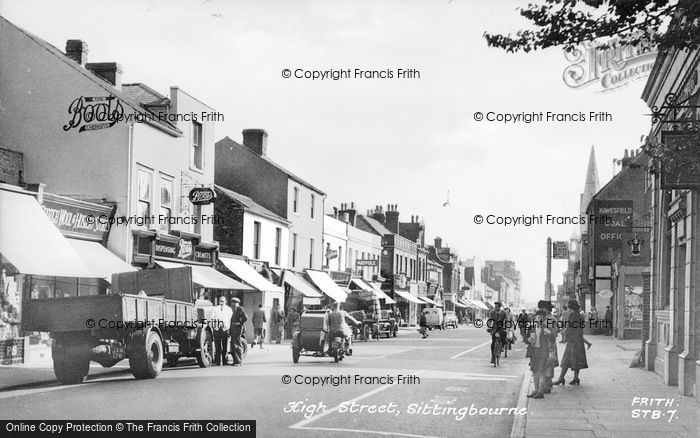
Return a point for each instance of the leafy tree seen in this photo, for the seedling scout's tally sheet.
(665, 24)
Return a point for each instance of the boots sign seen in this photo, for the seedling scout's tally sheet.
(202, 196)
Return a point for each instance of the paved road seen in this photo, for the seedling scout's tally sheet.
(417, 385)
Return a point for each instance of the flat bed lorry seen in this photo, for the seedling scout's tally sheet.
(150, 317)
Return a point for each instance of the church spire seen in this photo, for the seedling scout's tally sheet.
(591, 187)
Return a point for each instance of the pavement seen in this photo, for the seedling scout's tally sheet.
(609, 401)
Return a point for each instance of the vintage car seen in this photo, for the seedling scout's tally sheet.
(450, 319)
(388, 325)
(434, 318)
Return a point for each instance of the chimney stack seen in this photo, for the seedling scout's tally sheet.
(438, 242)
(378, 215)
(392, 218)
(256, 141)
(109, 71)
(77, 50)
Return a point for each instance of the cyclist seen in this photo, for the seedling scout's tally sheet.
(337, 323)
(496, 325)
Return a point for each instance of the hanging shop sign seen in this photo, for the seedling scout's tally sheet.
(560, 250)
(611, 219)
(202, 195)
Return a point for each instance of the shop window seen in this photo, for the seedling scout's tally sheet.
(145, 182)
(166, 202)
(197, 146)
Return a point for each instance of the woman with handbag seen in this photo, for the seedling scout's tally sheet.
(575, 353)
(540, 341)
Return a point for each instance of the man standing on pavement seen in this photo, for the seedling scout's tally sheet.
(237, 320)
(550, 322)
(221, 320)
(277, 324)
(259, 320)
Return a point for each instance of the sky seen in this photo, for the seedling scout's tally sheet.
(378, 141)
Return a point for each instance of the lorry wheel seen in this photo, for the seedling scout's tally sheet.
(146, 360)
(205, 355)
(71, 371)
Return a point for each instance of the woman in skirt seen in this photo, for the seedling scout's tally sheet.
(575, 353)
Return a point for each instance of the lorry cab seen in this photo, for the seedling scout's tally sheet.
(434, 317)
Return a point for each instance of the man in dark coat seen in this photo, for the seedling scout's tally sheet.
(237, 320)
(608, 321)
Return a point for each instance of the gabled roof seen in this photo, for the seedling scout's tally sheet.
(375, 225)
(144, 94)
(128, 101)
(267, 159)
(250, 205)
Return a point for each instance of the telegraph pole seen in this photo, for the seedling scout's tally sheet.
(548, 284)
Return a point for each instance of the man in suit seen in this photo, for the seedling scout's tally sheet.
(221, 318)
(237, 320)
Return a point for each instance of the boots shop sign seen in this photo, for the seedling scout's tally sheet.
(202, 196)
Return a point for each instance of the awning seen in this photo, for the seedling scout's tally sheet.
(469, 303)
(361, 284)
(207, 277)
(32, 244)
(479, 304)
(458, 304)
(327, 285)
(429, 301)
(408, 297)
(99, 259)
(382, 295)
(246, 273)
(303, 286)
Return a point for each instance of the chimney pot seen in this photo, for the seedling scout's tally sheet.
(352, 205)
(256, 141)
(77, 50)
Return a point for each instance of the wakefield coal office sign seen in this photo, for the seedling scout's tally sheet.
(610, 222)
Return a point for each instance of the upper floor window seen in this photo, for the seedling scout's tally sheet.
(145, 186)
(166, 202)
(313, 205)
(295, 206)
(197, 146)
(278, 245)
(256, 240)
(311, 254)
(294, 250)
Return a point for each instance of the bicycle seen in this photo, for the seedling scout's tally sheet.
(498, 347)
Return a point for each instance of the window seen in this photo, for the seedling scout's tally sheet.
(313, 204)
(166, 202)
(256, 240)
(294, 250)
(295, 206)
(311, 254)
(145, 181)
(197, 224)
(278, 245)
(197, 146)
(340, 256)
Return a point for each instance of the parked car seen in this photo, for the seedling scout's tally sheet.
(387, 324)
(450, 319)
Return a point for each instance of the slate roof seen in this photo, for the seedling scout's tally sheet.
(250, 205)
(375, 225)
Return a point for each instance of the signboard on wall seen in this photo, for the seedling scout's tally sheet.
(367, 262)
(560, 250)
(75, 218)
(635, 248)
(611, 220)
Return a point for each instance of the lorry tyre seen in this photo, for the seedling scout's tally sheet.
(146, 355)
(70, 364)
(205, 352)
(71, 371)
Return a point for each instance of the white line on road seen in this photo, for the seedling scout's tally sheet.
(470, 350)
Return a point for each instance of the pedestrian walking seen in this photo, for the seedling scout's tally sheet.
(608, 321)
(221, 320)
(237, 320)
(550, 323)
(575, 353)
(541, 343)
(259, 320)
(423, 325)
(523, 322)
(277, 320)
(565, 314)
(294, 320)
